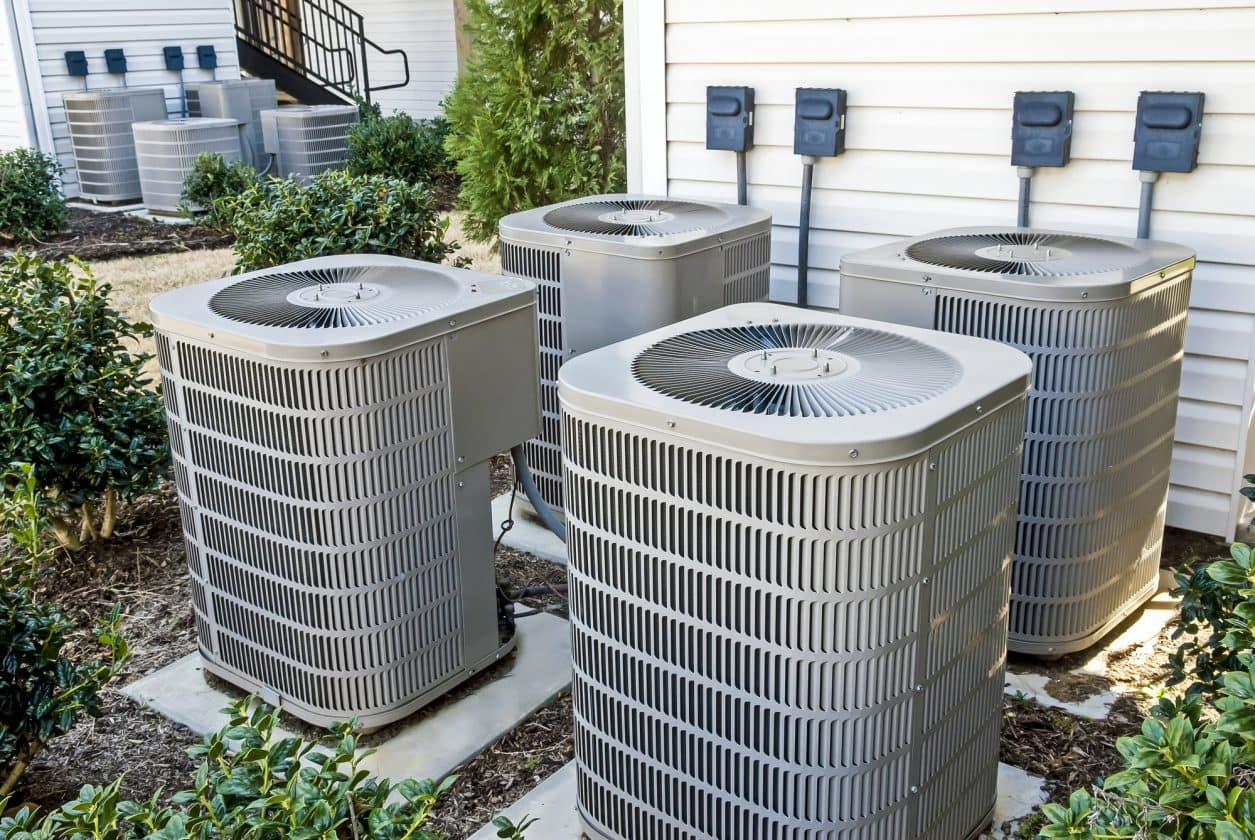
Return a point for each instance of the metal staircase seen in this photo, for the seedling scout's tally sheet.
(315, 50)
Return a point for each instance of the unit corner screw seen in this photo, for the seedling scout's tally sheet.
(324, 354)
(919, 688)
(914, 788)
(853, 453)
(924, 579)
(670, 424)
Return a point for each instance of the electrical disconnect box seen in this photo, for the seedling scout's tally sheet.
(819, 122)
(76, 63)
(1166, 136)
(730, 118)
(173, 57)
(206, 57)
(115, 60)
(1041, 130)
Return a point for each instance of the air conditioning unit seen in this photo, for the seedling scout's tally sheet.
(166, 150)
(1103, 319)
(99, 123)
(332, 423)
(789, 536)
(241, 100)
(610, 267)
(308, 139)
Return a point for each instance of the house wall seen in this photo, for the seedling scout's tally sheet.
(141, 28)
(930, 88)
(15, 123)
(426, 31)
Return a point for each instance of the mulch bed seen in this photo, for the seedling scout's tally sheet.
(105, 236)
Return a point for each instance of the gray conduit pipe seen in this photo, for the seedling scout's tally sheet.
(804, 230)
(1026, 185)
(1144, 205)
(530, 490)
(742, 186)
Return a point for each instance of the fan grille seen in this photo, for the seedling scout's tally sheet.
(1024, 253)
(797, 370)
(635, 217)
(350, 296)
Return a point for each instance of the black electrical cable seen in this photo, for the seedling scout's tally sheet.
(742, 180)
(804, 232)
(530, 490)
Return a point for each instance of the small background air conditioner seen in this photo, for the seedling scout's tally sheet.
(610, 267)
(99, 123)
(789, 537)
(166, 150)
(308, 139)
(241, 100)
(332, 422)
(1103, 319)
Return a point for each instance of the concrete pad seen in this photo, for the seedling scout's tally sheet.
(1137, 640)
(528, 534)
(92, 207)
(434, 745)
(551, 803)
(1020, 793)
(164, 218)
(431, 746)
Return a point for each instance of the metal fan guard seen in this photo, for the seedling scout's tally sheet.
(352, 296)
(623, 217)
(1024, 253)
(797, 370)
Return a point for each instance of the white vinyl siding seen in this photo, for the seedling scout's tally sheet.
(141, 28)
(930, 87)
(425, 30)
(15, 128)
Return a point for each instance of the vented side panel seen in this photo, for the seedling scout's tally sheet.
(1101, 420)
(310, 142)
(319, 514)
(166, 154)
(747, 270)
(544, 454)
(762, 651)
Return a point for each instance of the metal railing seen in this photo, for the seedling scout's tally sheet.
(322, 40)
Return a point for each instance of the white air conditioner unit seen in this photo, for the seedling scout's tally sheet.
(1103, 319)
(308, 139)
(99, 123)
(166, 151)
(789, 536)
(610, 267)
(332, 423)
(241, 100)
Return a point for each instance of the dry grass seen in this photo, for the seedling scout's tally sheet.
(480, 253)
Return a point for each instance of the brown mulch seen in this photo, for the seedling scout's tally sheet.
(1069, 752)
(1181, 547)
(105, 236)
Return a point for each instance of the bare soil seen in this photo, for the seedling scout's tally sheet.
(103, 236)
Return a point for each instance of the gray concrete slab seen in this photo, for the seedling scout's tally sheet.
(552, 803)
(431, 746)
(163, 218)
(528, 533)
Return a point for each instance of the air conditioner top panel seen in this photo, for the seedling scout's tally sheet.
(184, 123)
(305, 111)
(634, 225)
(337, 308)
(797, 385)
(104, 95)
(1024, 263)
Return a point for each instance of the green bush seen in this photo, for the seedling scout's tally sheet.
(537, 116)
(212, 179)
(74, 401)
(31, 205)
(399, 147)
(253, 785)
(1188, 774)
(43, 690)
(335, 213)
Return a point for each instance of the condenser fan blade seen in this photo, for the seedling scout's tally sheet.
(1024, 253)
(635, 217)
